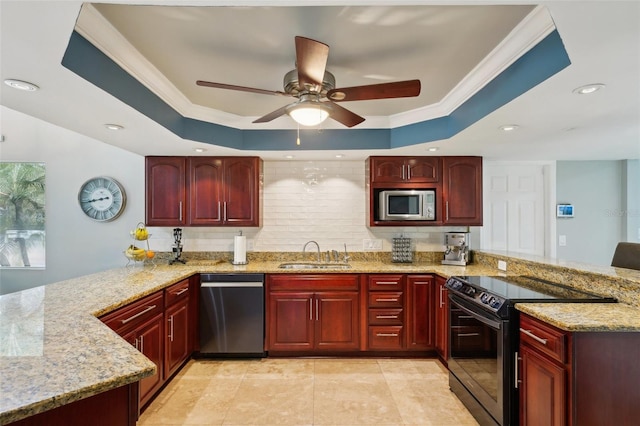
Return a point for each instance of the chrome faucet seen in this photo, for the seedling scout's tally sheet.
(317, 245)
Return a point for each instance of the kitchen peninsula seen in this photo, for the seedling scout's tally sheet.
(55, 351)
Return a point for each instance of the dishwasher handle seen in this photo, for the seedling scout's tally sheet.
(232, 284)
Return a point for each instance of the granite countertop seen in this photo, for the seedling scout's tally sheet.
(584, 317)
(54, 350)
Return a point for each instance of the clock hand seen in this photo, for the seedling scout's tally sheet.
(95, 199)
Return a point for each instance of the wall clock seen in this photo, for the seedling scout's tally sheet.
(102, 198)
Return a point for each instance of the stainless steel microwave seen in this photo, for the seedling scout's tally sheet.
(407, 204)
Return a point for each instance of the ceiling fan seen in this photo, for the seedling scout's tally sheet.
(315, 89)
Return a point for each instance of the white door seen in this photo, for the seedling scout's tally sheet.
(514, 206)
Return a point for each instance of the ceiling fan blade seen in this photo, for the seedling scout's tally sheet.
(272, 115)
(398, 89)
(311, 61)
(344, 116)
(240, 88)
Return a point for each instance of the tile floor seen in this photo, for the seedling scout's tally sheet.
(309, 391)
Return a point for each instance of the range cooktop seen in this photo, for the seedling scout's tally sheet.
(498, 294)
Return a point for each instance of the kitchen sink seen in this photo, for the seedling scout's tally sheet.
(313, 265)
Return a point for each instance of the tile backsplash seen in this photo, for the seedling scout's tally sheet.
(322, 201)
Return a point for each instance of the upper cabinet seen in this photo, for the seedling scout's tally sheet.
(405, 169)
(203, 191)
(456, 181)
(462, 190)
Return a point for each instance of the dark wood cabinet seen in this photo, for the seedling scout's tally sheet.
(203, 191)
(585, 378)
(313, 313)
(462, 190)
(400, 312)
(420, 312)
(178, 346)
(457, 182)
(405, 169)
(166, 194)
(441, 304)
(141, 324)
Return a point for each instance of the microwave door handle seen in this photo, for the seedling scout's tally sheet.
(493, 324)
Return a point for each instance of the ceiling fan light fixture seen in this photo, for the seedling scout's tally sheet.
(309, 113)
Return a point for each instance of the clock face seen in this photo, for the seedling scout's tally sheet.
(102, 198)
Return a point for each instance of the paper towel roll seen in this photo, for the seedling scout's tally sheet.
(240, 249)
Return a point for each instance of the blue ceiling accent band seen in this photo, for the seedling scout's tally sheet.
(542, 61)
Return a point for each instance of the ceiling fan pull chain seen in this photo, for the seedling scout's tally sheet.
(298, 139)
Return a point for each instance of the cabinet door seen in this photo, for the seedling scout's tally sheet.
(543, 390)
(442, 318)
(420, 308)
(242, 185)
(291, 321)
(150, 343)
(165, 191)
(462, 190)
(387, 169)
(423, 169)
(177, 336)
(205, 191)
(337, 320)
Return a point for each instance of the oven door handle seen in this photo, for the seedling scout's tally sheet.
(460, 303)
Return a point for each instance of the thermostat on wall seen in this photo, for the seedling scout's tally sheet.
(565, 210)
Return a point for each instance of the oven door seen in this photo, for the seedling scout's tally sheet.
(476, 357)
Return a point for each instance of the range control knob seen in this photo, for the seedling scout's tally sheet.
(484, 297)
(469, 291)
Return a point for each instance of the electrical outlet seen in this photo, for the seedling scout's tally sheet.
(562, 240)
(502, 265)
(372, 244)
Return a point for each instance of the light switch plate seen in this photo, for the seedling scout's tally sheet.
(372, 244)
(562, 240)
(502, 265)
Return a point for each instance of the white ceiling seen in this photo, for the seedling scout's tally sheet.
(451, 47)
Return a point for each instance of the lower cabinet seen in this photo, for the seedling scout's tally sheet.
(313, 312)
(441, 304)
(400, 312)
(585, 378)
(159, 326)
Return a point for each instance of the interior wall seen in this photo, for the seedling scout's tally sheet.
(595, 190)
(631, 203)
(75, 245)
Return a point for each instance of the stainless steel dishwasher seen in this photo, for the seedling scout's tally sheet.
(232, 315)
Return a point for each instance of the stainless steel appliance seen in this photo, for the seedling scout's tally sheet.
(232, 315)
(456, 248)
(407, 204)
(483, 339)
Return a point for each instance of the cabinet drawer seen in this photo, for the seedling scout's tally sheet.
(385, 282)
(135, 313)
(543, 337)
(388, 299)
(176, 292)
(386, 337)
(385, 316)
(313, 282)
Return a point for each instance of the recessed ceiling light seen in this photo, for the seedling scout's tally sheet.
(199, 149)
(588, 89)
(288, 157)
(112, 126)
(433, 149)
(339, 155)
(22, 85)
(509, 127)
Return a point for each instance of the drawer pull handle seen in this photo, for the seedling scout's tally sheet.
(533, 336)
(387, 334)
(181, 291)
(386, 317)
(149, 308)
(386, 283)
(464, 317)
(386, 300)
(467, 334)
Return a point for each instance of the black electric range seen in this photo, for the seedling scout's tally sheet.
(499, 294)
